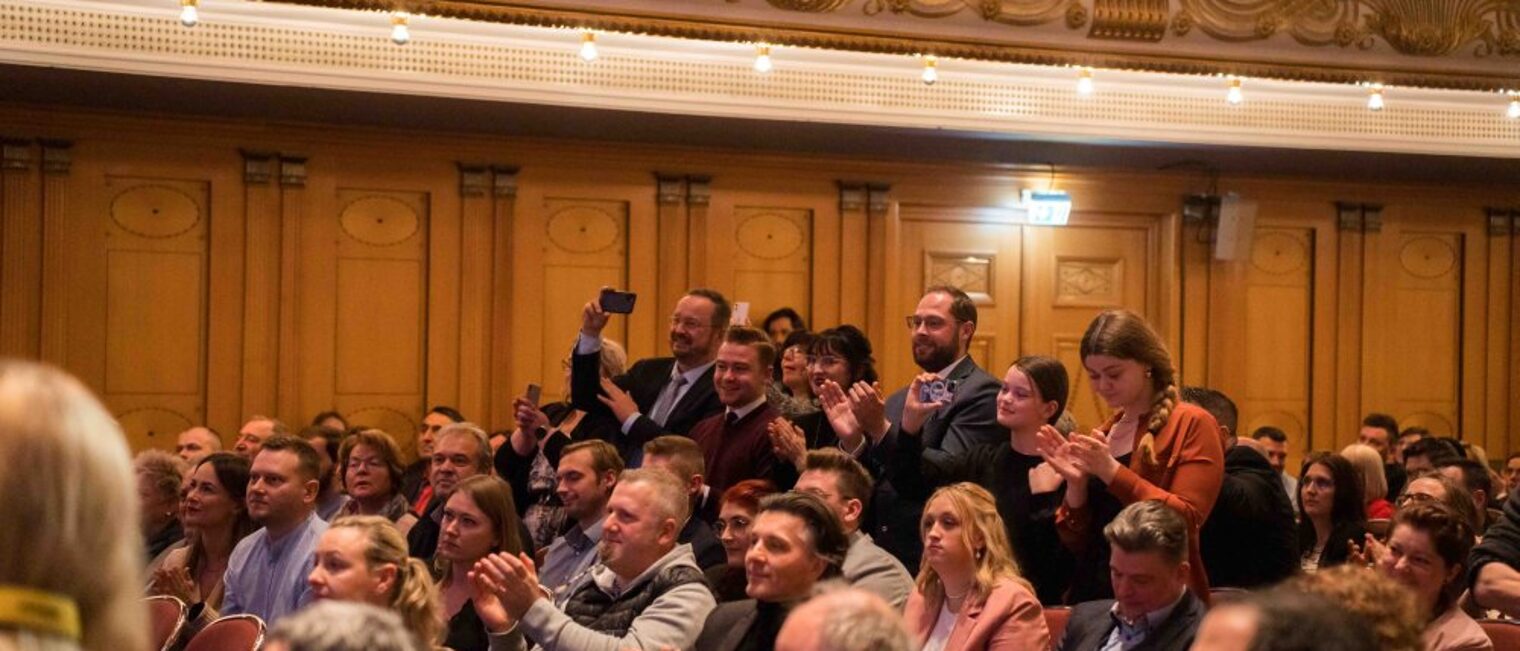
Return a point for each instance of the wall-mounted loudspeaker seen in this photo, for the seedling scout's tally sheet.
(1237, 222)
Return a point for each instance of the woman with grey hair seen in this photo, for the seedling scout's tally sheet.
(341, 626)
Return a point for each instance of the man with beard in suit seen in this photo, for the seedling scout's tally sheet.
(660, 395)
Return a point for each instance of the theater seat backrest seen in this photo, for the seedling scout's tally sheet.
(1055, 620)
(167, 616)
(1505, 634)
(230, 633)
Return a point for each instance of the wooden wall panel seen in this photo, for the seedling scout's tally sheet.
(20, 251)
(1274, 365)
(1418, 298)
(1072, 273)
(772, 260)
(585, 248)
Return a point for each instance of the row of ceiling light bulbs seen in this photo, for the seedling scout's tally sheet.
(1234, 91)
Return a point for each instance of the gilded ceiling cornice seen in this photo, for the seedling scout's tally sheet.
(1444, 37)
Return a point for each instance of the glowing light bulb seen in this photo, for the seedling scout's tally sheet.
(1085, 82)
(1514, 107)
(400, 35)
(1235, 95)
(588, 47)
(762, 58)
(188, 14)
(1375, 98)
(931, 70)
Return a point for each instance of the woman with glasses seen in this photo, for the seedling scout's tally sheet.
(837, 359)
(1332, 515)
(736, 512)
(529, 462)
(370, 465)
(1427, 553)
(792, 392)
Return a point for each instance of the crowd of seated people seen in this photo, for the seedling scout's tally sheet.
(760, 489)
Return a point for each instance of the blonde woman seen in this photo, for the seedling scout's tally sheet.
(71, 565)
(1369, 466)
(970, 595)
(363, 558)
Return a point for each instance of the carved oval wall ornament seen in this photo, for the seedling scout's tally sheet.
(1427, 257)
(1287, 422)
(1278, 253)
(1438, 424)
(157, 426)
(583, 229)
(379, 220)
(155, 211)
(769, 236)
(390, 420)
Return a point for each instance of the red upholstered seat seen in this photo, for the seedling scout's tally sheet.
(167, 615)
(1504, 633)
(230, 633)
(1055, 620)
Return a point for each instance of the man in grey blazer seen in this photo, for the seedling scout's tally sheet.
(845, 486)
(942, 327)
(800, 542)
(1152, 609)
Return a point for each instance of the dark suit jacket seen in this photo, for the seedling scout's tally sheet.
(1249, 540)
(968, 421)
(643, 382)
(744, 624)
(1090, 625)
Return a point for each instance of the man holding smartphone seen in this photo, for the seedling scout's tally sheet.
(660, 395)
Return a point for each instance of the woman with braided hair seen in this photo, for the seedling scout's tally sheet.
(363, 558)
(1154, 447)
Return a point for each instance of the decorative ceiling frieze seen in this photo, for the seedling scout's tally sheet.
(1460, 44)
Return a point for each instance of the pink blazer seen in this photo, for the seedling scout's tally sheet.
(1010, 619)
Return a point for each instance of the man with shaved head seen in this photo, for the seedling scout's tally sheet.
(196, 443)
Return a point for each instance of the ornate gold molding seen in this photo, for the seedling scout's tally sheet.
(1426, 29)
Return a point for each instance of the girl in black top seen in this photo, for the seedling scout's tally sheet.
(1028, 492)
(1331, 514)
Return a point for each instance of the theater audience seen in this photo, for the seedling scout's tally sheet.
(1154, 447)
(681, 457)
(195, 443)
(71, 565)
(843, 484)
(216, 519)
(840, 357)
(1383, 603)
(327, 442)
(331, 419)
(781, 323)
(1331, 512)
(370, 465)
(1033, 397)
(1153, 607)
(1248, 540)
(159, 475)
(844, 619)
(538, 441)
(588, 471)
(1381, 433)
(1427, 553)
(1275, 442)
(266, 574)
(969, 594)
(1283, 620)
(342, 626)
(1511, 473)
(734, 442)
(647, 593)
(1434, 486)
(252, 434)
(460, 451)
(363, 558)
(659, 395)
(1426, 454)
(1369, 468)
(941, 327)
(415, 481)
(478, 519)
(791, 391)
(1474, 477)
(798, 541)
(1494, 576)
(736, 517)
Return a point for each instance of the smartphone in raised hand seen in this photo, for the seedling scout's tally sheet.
(534, 393)
(741, 314)
(616, 302)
